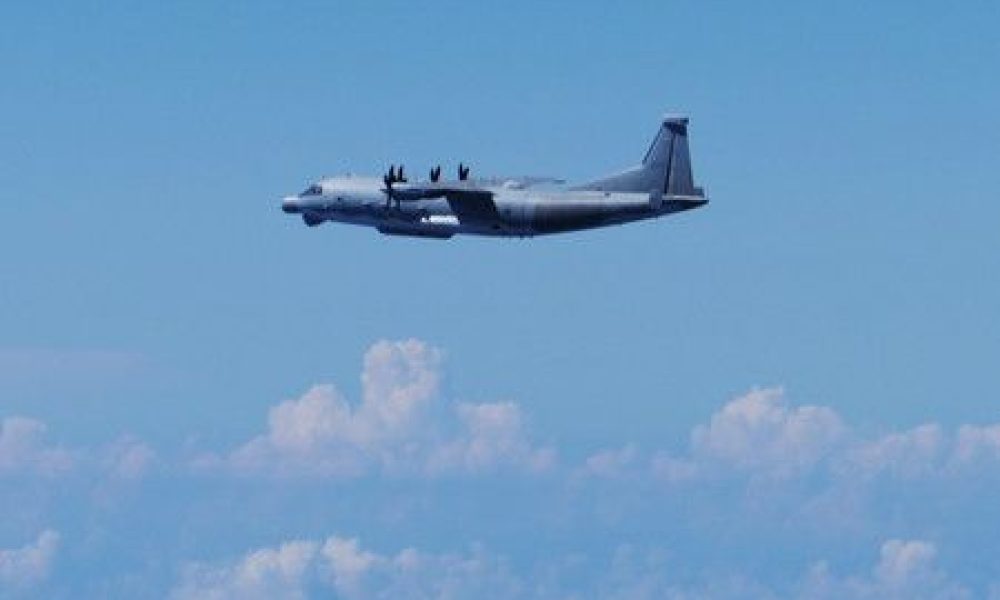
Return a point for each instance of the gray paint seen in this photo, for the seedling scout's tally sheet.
(662, 184)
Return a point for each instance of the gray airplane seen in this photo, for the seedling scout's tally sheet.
(514, 207)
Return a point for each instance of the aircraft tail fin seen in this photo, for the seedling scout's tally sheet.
(670, 158)
(665, 170)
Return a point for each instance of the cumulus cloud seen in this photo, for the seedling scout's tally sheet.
(758, 431)
(348, 564)
(266, 573)
(976, 443)
(758, 463)
(23, 448)
(904, 563)
(492, 434)
(761, 434)
(317, 433)
(340, 565)
(354, 572)
(905, 569)
(758, 434)
(399, 380)
(665, 467)
(612, 462)
(909, 453)
(127, 459)
(393, 428)
(30, 564)
(343, 567)
(925, 451)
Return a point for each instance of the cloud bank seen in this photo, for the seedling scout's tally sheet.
(759, 435)
(343, 567)
(466, 498)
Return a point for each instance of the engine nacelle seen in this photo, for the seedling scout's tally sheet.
(311, 219)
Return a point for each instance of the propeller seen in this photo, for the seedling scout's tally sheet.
(388, 179)
(398, 175)
(463, 172)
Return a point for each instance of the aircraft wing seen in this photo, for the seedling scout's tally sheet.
(424, 190)
(527, 181)
(473, 205)
(519, 182)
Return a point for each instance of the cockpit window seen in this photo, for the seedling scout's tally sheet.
(313, 190)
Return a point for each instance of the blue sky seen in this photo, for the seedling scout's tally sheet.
(156, 304)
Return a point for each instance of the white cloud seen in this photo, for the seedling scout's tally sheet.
(348, 564)
(23, 448)
(320, 433)
(314, 569)
(266, 573)
(904, 563)
(314, 434)
(976, 443)
(673, 470)
(30, 564)
(759, 432)
(756, 434)
(127, 459)
(399, 380)
(342, 566)
(910, 453)
(925, 451)
(906, 569)
(612, 462)
(492, 435)
(393, 428)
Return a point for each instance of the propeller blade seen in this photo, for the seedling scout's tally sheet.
(402, 178)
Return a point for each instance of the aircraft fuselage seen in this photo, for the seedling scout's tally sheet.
(518, 213)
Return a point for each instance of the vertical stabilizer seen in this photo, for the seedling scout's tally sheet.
(679, 180)
(665, 170)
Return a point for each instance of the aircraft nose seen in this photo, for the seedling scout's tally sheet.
(290, 204)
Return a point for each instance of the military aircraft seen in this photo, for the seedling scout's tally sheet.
(512, 207)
